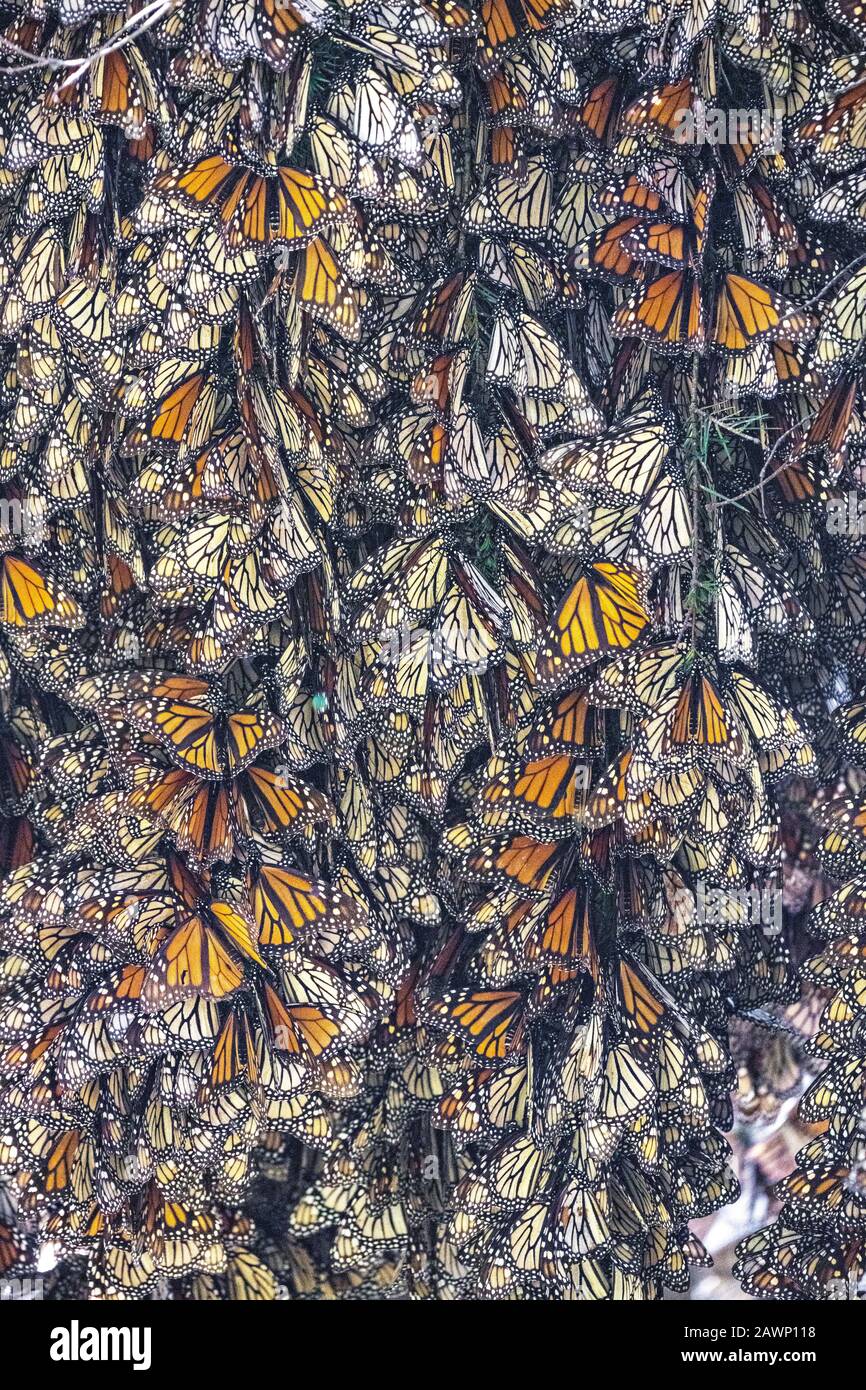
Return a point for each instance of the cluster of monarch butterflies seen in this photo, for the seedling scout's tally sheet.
(429, 552)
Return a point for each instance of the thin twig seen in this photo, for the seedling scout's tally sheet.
(131, 29)
(767, 478)
(852, 265)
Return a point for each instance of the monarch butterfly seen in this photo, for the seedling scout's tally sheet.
(491, 1020)
(668, 312)
(213, 821)
(832, 1193)
(29, 598)
(603, 612)
(247, 1278)
(270, 29)
(659, 186)
(288, 205)
(597, 114)
(611, 252)
(178, 400)
(842, 323)
(674, 244)
(564, 936)
(504, 21)
(746, 312)
(699, 717)
(178, 712)
(613, 797)
(118, 88)
(82, 313)
(287, 906)
(488, 1103)
(324, 287)
(441, 310)
(17, 842)
(299, 1028)
(783, 1264)
(834, 917)
(623, 465)
(844, 202)
(511, 203)
(513, 858)
(570, 723)
(839, 130)
(626, 1087)
(539, 794)
(661, 109)
(835, 422)
(197, 957)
